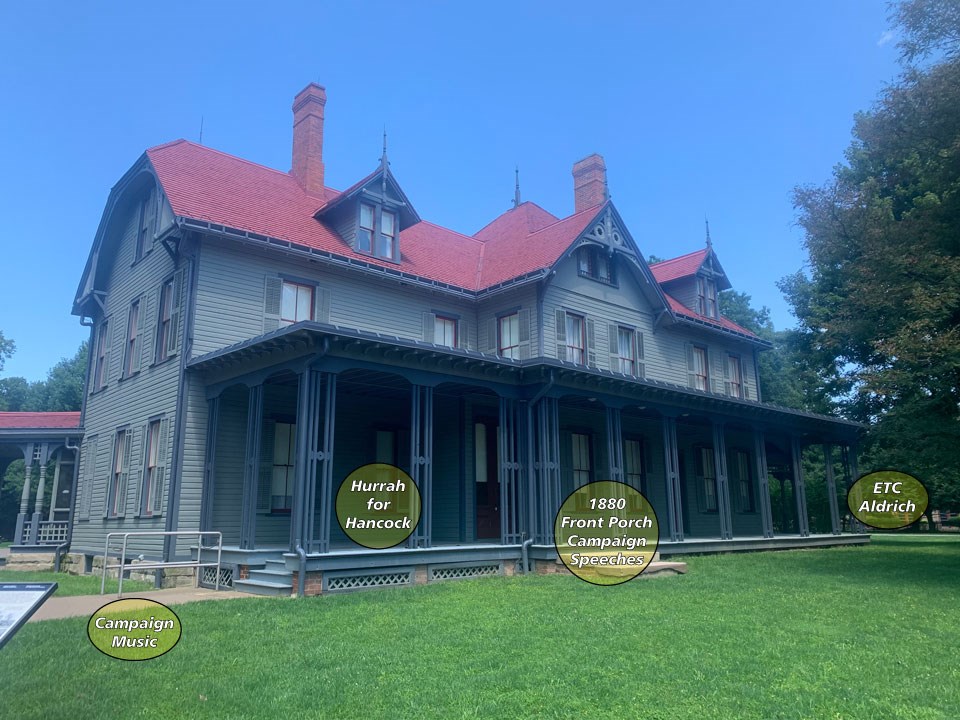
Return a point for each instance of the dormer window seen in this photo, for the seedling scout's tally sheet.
(707, 298)
(381, 244)
(594, 263)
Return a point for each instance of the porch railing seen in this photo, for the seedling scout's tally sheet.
(122, 566)
(49, 532)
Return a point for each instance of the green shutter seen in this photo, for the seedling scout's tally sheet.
(727, 384)
(272, 295)
(144, 461)
(124, 484)
(176, 314)
(429, 327)
(523, 333)
(160, 472)
(641, 365)
(613, 344)
(89, 476)
(492, 336)
(137, 359)
(561, 332)
(591, 354)
(462, 331)
(691, 367)
(321, 305)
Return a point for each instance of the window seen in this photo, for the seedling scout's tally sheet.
(147, 214)
(367, 228)
(296, 303)
(388, 234)
(575, 340)
(707, 297)
(508, 336)
(594, 263)
(626, 359)
(152, 481)
(281, 490)
(699, 370)
(383, 243)
(741, 473)
(100, 370)
(633, 466)
(707, 477)
(131, 359)
(117, 493)
(164, 315)
(580, 445)
(734, 376)
(445, 331)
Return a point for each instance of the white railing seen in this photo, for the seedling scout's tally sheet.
(52, 532)
(158, 565)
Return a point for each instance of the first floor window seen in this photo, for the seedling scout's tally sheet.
(152, 469)
(700, 368)
(582, 471)
(633, 465)
(296, 303)
(707, 477)
(281, 493)
(117, 496)
(445, 331)
(576, 342)
(508, 340)
(735, 375)
(741, 471)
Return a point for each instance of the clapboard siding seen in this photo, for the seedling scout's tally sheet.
(228, 469)
(447, 473)
(128, 402)
(684, 291)
(193, 461)
(230, 298)
(524, 298)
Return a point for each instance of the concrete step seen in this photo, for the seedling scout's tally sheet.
(276, 565)
(276, 576)
(263, 587)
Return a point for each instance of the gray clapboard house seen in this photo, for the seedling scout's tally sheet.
(256, 335)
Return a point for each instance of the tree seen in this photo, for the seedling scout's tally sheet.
(880, 308)
(6, 349)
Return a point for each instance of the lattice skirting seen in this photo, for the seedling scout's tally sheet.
(463, 572)
(345, 581)
(208, 577)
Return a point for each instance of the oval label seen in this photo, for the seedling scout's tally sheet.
(887, 499)
(378, 506)
(134, 629)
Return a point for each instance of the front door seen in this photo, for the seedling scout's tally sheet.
(487, 479)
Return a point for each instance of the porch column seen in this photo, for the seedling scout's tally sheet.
(19, 537)
(671, 464)
(421, 461)
(763, 482)
(251, 468)
(546, 453)
(799, 486)
(831, 489)
(615, 444)
(512, 453)
(723, 484)
(209, 466)
(853, 474)
(38, 504)
(314, 473)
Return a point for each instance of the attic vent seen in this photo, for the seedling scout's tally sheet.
(598, 231)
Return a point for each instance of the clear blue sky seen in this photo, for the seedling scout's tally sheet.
(699, 108)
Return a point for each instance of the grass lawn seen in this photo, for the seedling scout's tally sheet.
(73, 584)
(839, 634)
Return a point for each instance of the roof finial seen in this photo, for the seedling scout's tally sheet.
(384, 164)
(516, 191)
(201, 129)
(707, 223)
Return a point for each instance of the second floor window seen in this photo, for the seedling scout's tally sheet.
(388, 235)
(445, 331)
(698, 369)
(382, 243)
(117, 495)
(152, 469)
(508, 336)
(575, 340)
(625, 359)
(100, 369)
(296, 303)
(734, 376)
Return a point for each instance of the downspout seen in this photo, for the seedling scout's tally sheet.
(525, 554)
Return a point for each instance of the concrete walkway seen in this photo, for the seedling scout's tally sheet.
(85, 605)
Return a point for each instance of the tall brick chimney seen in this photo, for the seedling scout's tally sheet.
(589, 182)
(308, 138)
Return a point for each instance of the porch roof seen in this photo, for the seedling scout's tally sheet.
(531, 374)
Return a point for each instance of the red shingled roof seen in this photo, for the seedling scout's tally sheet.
(679, 267)
(520, 221)
(680, 309)
(39, 420)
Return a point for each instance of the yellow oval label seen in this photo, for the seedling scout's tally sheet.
(378, 506)
(134, 629)
(887, 499)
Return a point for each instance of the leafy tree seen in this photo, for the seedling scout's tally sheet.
(6, 349)
(880, 308)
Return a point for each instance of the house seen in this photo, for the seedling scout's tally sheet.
(256, 335)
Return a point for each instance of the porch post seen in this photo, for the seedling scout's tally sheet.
(421, 460)
(763, 482)
(319, 457)
(854, 474)
(251, 470)
(24, 496)
(210, 464)
(547, 467)
(305, 414)
(671, 464)
(799, 487)
(831, 489)
(723, 485)
(615, 444)
(511, 472)
(38, 505)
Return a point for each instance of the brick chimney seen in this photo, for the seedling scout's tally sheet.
(308, 138)
(589, 182)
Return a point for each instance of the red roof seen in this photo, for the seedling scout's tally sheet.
(39, 420)
(520, 221)
(680, 309)
(679, 267)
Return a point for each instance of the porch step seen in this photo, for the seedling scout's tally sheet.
(263, 587)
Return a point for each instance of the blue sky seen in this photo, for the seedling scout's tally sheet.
(715, 109)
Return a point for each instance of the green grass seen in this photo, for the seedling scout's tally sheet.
(73, 584)
(840, 634)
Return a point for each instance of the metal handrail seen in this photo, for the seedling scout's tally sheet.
(199, 534)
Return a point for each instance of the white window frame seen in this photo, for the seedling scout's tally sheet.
(299, 289)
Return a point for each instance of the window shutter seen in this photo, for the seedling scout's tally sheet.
(160, 472)
(321, 305)
(272, 293)
(727, 384)
(462, 330)
(265, 479)
(176, 314)
(144, 462)
(591, 343)
(150, 218)
(137, 359)
(691, 367)
(523, 333)
(108, 353)
(641, 365)
(124, 484)
(613, 340)
(429, 327)
(89, 473)
(149, 303)
(561, 319)
(492, 336)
